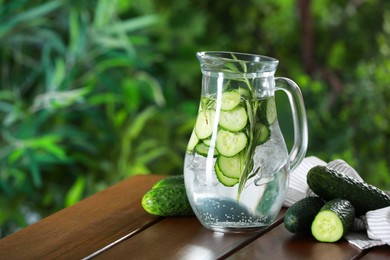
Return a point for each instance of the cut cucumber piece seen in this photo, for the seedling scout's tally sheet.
(204, 123)
(264, 133)
(334, 220)
(207, 141)
(229, 182)
(192, 142)
(233, 120)
(230, 100)
(203, 150)
(229, 143)
(231, 167)
(267, 111)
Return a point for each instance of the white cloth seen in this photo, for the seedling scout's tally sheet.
(370, 230)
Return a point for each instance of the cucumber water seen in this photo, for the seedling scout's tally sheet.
(240, 160)
(242, 125)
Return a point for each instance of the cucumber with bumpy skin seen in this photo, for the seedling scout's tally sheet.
(330, 184)
(333, 220)
(300, 215)
(167, 201)
(170, 181)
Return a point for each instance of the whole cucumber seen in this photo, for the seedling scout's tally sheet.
(167, 201)
(300, 215)
(170, 180)
(330, 184)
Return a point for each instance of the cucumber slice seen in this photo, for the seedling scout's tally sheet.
(334, 220)
(233, 120)
(207, 141)
(264, 133)
(192, 142)
(229, 143)
(230, 100)
(267, 111)
(203, 150)
(231, 167)
(204, 123)
(229, 182)
(244, 92)
(327, 227)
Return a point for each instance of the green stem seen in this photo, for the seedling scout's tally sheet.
(251, 107)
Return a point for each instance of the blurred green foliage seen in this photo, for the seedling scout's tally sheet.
(92, 92)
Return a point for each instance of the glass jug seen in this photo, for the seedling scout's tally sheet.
(236, 166)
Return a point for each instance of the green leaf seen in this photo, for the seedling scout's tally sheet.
(131, 94)
(74, 31)
(153, 87)
(139, 122)
(131, 25)
(16, 155)
(34, 168)
(75, 193)
(59, 99)
(104, 13)
(57, 76)
(149, 156)
(30, 15)
(114, 62)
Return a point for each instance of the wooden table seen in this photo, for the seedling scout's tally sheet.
(113, 225)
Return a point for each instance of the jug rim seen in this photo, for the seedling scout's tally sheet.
(244, 57)
(237, 64)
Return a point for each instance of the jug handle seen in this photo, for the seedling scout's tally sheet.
(294, 94)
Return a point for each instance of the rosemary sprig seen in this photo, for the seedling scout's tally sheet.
(251, 104)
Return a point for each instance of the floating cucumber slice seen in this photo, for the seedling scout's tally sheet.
(231, 167)
(230, 100)
(227, 181)
(264, 133)
(192, 142)
(229, 144)
(267, 111)
(234, 120)
(203, 149)
(204, 123)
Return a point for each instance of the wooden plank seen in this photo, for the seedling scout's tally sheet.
(85, 227)
(281, 244)
(378, 253)
(181, 238)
